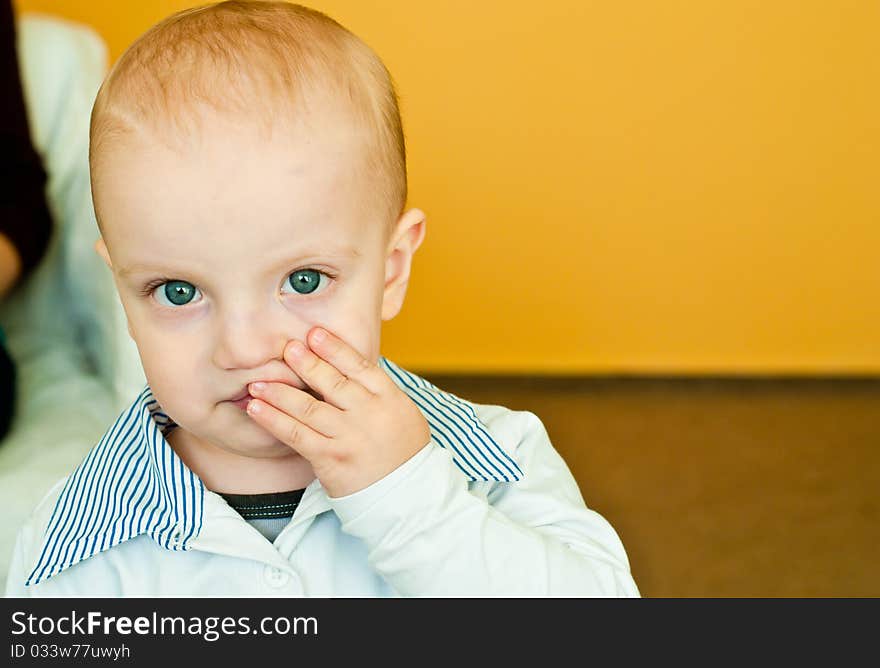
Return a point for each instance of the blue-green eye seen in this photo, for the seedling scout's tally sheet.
(305, 281)
(177, 293)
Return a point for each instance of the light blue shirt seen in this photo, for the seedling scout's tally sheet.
(133, 482)
(486, 508)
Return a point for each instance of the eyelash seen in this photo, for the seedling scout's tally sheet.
(148, 289)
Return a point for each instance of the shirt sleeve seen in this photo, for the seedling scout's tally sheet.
(431, 534)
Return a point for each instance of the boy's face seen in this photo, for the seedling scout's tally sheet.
(225, 251)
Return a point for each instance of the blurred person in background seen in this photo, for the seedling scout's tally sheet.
(25, 222)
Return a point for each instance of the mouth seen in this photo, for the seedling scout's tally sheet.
(242, 399)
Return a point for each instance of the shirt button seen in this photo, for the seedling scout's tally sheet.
(275, 577)
(176, 536)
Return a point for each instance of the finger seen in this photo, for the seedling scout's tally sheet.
(348, 360)
(335, 387)
(291, 432)
(302, 406)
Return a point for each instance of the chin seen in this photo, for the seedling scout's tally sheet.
(260, 443)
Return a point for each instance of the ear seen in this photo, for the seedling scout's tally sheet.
(406, 238)
(101, 249)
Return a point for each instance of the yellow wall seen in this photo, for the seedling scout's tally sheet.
(664, 186)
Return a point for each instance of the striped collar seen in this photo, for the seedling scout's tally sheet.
(132, 482)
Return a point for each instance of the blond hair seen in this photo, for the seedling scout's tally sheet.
(264, 59)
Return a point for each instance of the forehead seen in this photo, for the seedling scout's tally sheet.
(231, 183)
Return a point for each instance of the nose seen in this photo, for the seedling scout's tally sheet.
(251, 338)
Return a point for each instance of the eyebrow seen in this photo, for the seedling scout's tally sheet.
(348, 252)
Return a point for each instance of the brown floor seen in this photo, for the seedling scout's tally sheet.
(734, 487)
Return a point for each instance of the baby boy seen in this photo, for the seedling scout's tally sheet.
(249, 181)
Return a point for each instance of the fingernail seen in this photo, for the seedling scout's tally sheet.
(319, 335)
(257, 387)
(297, 349)
(253, 406)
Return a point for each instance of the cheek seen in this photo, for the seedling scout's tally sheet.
(371, 329)
(357, 324)
(173, 374)
(365, 330)
(169, 360)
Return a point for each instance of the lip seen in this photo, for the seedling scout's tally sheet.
(241, 401)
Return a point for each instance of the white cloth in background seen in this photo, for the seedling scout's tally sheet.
(65, 326)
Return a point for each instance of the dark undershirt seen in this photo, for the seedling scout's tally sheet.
(267, 513)
(272, 505)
